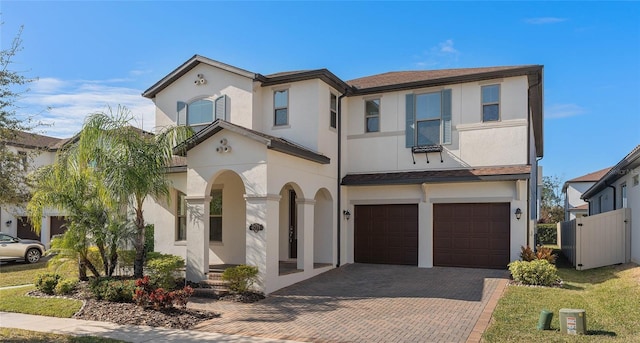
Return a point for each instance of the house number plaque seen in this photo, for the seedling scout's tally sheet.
(255, 227)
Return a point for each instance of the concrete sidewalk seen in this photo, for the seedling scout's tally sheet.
(128, 333)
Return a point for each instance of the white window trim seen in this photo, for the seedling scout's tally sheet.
(367, 116)
(482, 103)
(332, 111)
(288, 107)
(415, 118)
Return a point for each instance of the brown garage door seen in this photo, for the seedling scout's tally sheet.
(25, 230)
(471, 235)
(386, 234)
(58, 225)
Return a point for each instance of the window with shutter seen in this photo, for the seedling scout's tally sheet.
(221, 107)
(428, 118)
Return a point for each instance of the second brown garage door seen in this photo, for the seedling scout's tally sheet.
(471, 235)
(386, 234)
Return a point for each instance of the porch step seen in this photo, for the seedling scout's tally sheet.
(218, 286)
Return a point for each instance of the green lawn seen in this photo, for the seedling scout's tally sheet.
(16, 300)
(610, 296)
(17, 335)
(14, 274)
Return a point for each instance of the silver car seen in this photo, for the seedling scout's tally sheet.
(13, 249)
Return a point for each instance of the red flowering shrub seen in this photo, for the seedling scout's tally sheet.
(148, 296)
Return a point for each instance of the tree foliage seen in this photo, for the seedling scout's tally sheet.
(13, 166)
(132, 164)
(73, 186)
(551, 206)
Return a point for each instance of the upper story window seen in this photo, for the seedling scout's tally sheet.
(636, 180)
(281, 107)
(623, 195)
(215, 216)
(202, 111)
(333, 110)
(181, 217)
(491, 103)
(428, 118)
(372, 115)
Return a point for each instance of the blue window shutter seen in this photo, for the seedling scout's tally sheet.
(410, 127)
(221, 108)
(182, 113)
(446, 116)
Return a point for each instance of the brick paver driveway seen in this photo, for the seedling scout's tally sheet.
(367, 303)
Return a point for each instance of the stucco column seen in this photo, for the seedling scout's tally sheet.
(262, 246)
(45, 231)
(305, 233)
(197, 237)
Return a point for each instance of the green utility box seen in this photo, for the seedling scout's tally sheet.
(573, 322)
(544, 322)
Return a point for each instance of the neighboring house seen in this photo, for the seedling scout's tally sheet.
(573, 189)
(299, 172)
(620, 188)
(40, 150)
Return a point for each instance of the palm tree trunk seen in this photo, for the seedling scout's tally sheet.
(138, 263)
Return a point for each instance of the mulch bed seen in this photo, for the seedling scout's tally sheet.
(131, 314)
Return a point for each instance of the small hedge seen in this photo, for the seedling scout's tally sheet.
(536, 272)
(240, 278)
(547, 234)
(66, 286)
(47, 282)
(162, 270)
(113, 290)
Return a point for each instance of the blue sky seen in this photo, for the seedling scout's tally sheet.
(90, 54)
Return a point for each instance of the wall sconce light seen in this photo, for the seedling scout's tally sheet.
(518, 213)
(347, 214)
(8, 223)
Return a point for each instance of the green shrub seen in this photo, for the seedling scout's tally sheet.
(113, 290)
(47, 282)
(547, 234)
(162, 270)
(66, 286)
(148, 238)
(536, 272)
(240, 278)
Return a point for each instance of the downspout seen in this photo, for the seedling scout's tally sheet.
(339, 177)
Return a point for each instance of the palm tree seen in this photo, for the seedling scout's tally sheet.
(68, 186)
(132, 162)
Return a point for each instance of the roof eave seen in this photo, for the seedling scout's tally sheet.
(632, 160)
(322, 74)
(185, 67)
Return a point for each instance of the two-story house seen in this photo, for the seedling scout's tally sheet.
(619, 188)
(300, 172)
(573, 189)
(36, 151)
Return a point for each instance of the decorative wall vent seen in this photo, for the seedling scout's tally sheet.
(224, 146)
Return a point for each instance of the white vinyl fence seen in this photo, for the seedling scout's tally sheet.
(600, 240)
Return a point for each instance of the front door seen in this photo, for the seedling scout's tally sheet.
(293, 232)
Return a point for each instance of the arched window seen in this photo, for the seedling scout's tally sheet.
(202, 112)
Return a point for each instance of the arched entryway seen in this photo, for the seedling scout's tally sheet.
(290, 237)
(323, 229)
(227, 220)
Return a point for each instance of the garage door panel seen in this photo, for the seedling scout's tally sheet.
(471, 235)
(386, 234)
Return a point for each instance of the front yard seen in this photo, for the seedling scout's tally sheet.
(610, 296)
